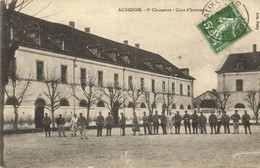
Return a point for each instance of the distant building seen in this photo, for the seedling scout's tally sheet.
(47, 49)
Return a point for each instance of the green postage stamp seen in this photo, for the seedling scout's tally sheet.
(224, 27)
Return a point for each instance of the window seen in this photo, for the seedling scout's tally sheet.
(100, 104)
(163, 86)
(239, 84)
(189, 107)
(11, 101)
(40, 72)
(181, 106)
(173, 87)
(116, 81)
(130, 105)
(188, 90)
(83, 75)
(239, 105)
(64, 73)
(83, 103)
(34, 35)
(173, 106)
(181, 89)
(153, 85)
(142, 84)
(100, 78)
(130, 82)
(142, 105)
(64, 102)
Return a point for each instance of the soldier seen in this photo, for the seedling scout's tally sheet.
(146, 124)
(246, 121)
(100, 123)
(195, 121)
(60, 123)
(236, 117)
(213, 122)
(170, 122)
(46, 121)
(163, 123)
(74, 126)
(177, 121)
(219, 122)
(82, 124)
(151, 122)
(122, 123)
(186, 117)
(109, 123)
(202, 123)
(225, 121)
(156, 123)
(135, 124)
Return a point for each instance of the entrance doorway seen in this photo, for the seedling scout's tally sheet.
(39, 112)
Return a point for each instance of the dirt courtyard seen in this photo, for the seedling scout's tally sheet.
(153, 151)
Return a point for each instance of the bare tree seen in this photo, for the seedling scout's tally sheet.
(222, 99)
(90, 93)
(18, 93)
(113, 98)
(253, 100)
(151, 99)
(135, 94)
(168, 101)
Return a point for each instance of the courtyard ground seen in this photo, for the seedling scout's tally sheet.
(191, 151)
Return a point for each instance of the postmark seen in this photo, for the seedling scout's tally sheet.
(224, 27)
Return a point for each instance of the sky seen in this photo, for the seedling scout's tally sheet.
(173, 35)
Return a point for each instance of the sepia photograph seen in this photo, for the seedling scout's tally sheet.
(129, 84)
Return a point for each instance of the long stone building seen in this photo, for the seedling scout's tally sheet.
(52, 51)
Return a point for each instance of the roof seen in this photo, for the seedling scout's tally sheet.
(208, 95)
(241, 62)
(76, 44)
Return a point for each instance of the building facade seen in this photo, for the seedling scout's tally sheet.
(48, 51)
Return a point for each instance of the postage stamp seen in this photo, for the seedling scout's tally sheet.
(224, 27)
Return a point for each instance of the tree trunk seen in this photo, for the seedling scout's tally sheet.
(52, 118)
(88, 110)
(15, 119)
(256, 119)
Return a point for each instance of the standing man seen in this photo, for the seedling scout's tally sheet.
(82, 124)
(146, 124)
(195, 121)
(156, 122)
(177, 121)
(163, 123)
(246, 121)
(46, 121)
(170, 122)
(135, 124)
(109, 123)
(202, 123)
(60, 123)
(219, 122)
(186, 118)
(213, 122)
(236, 117)
(100, 123)
(151, 122)
(225, 121)
(74, 125)
(122, 123)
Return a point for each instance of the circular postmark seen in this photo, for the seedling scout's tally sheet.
(225, 20)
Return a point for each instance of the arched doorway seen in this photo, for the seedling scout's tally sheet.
(39, 112)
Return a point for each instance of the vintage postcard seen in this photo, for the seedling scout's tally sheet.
(130, 84)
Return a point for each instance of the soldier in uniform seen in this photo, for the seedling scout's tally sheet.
(219, 122)
(135, 124)
(82, 124)
(170, 122)
(46, 121)
(146, 124)
(202, 123)
(246, 121)
(163, 122)
(213, 122)
(74, 126)
(225, 121)
(100, 123)
(236, 117)
(186, 117)
(150, 116)
(195, 121)
(122, 123)
(156, 123)
(177, 121)
(60, 123)
(109, 123)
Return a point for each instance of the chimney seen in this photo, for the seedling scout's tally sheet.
(185, 71)
(72, 24)
(87, 29)
(254, 48)
(137, 45)
(126, 42)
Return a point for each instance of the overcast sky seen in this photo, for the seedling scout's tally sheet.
(171, 34)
